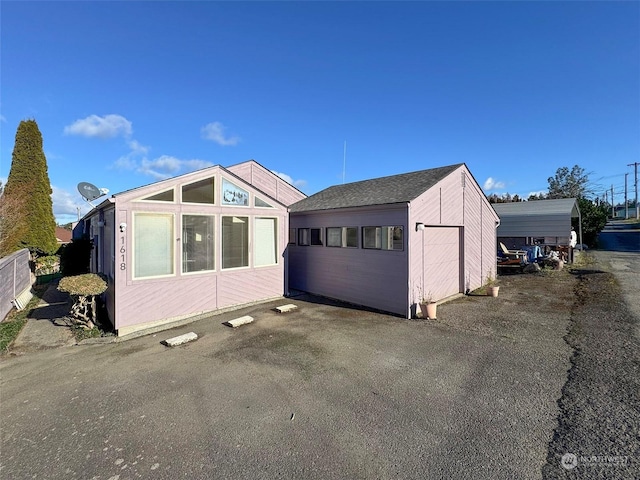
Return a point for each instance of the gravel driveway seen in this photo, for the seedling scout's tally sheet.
(327, 391)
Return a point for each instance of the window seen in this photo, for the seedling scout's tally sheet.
(342, 237)
(303, 236)
(258, 202)
(265, 243)
(292, 235)
(198, 252)
(199, 192)
(316, 236)
(233, 195)
(383, 238)
(371, 237)
(153, 241)
(235, 242)
(166, 196)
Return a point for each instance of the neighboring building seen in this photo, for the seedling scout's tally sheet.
(386, 243)
(538, 222)
(63, 236)
(191, 245)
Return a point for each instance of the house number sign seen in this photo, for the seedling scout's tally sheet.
(123, 251)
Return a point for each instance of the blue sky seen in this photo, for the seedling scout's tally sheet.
(127, 93)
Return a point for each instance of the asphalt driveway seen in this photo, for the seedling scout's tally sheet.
(327, 391)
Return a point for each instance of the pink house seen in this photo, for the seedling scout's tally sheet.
(191, 245)
(225, 237)
(388, 242)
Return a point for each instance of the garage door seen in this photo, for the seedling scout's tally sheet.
(442, 257)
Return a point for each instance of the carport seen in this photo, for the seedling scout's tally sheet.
(538, 222)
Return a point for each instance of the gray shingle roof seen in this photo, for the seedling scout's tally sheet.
(568, 206)
(378, 191)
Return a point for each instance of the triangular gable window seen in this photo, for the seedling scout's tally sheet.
(199, 192)
(234, 195)
(166, 196)
(258, 202)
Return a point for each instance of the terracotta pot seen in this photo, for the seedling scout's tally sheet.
(492, 291)
(429, 310)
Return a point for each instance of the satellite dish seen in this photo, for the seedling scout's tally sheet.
(89, 191)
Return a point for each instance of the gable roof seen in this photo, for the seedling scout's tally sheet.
(378, 191)
(560, 206)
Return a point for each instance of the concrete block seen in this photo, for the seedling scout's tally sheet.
(236, 322)
(180, 339)
(286, 308)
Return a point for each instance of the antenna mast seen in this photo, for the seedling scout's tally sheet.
(344, 161)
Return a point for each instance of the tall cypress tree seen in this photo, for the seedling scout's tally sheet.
(28, 185)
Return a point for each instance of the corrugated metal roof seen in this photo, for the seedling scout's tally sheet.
(568, 206)
(378, 191)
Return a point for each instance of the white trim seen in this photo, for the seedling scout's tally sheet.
(134, 213)
(215, 237)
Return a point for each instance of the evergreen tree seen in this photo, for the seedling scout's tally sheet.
(28, 186)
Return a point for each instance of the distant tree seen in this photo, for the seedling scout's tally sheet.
(504, 198)
(569, 183)
(537, 196)
(594, 218)
(574, 183)
(29, 188)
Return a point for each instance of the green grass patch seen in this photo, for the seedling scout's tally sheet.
(16, 320)
(9, 332)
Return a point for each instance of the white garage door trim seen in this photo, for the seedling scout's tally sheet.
(443, 259)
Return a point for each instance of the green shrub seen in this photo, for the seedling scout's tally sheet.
(83, 285)
(47, 264)
(75, 257)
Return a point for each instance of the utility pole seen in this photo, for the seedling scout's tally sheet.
(613, 207)
(626, 201)
(635, 165)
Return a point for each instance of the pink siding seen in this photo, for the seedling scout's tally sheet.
(266, 181)
(453, 203)
(375, 278)
(140, 301)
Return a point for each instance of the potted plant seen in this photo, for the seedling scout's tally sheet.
(428, 306)
(492, 288)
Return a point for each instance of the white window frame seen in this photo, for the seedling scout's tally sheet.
(198, 181)
(248, 250)
(134, 217)
(304, 237)
(160, 202)
(229, 204)
(276, 241)
(380, 240)
(182, 244)
(343, 237)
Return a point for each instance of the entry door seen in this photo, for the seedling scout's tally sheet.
(442, 261)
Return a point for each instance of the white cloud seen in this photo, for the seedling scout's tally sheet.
(66, 205)
(137, 148)
(167, 166)
(288, 179)
(492, 184)
(3, 118)
(108, 126)
(215, 132)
